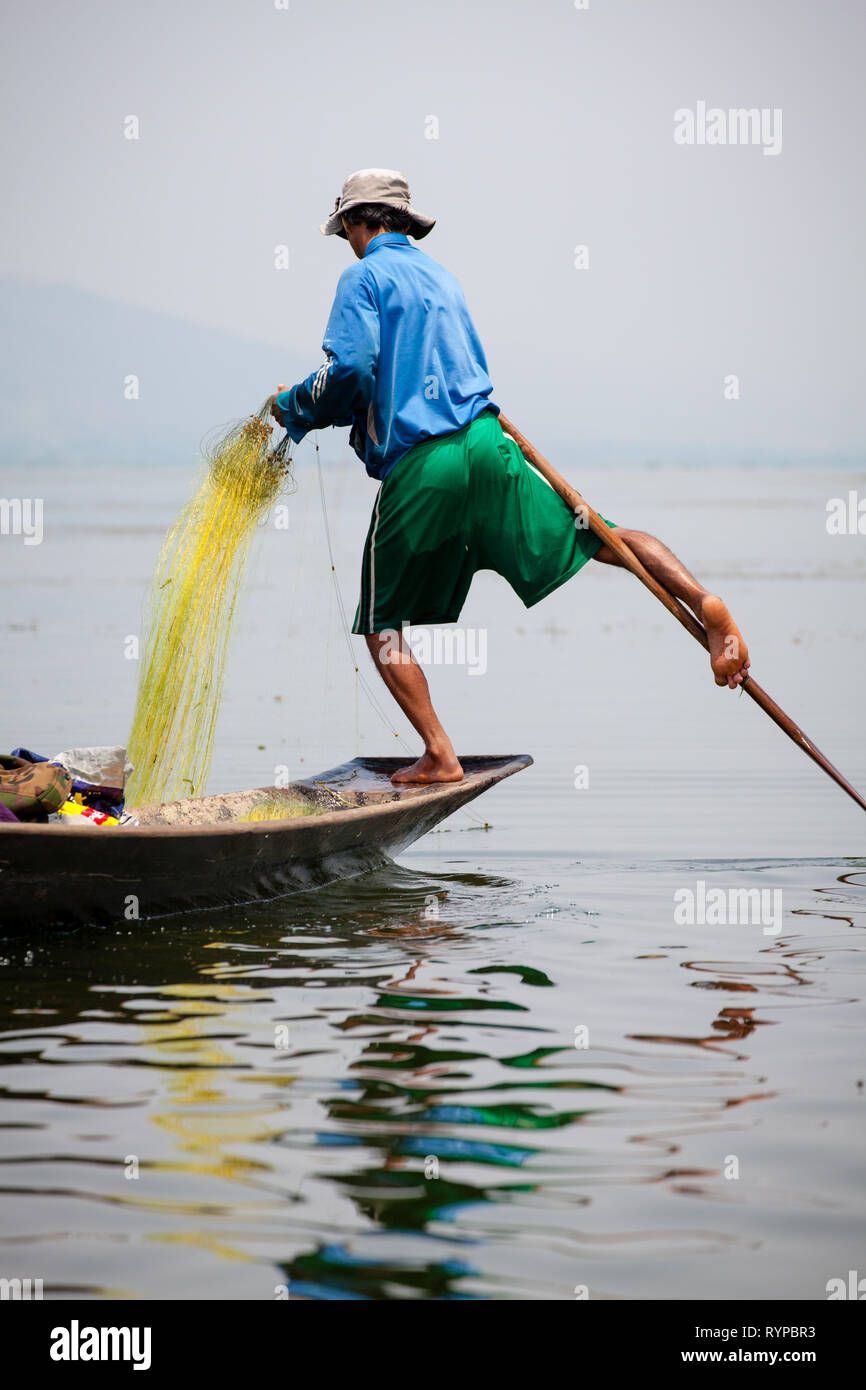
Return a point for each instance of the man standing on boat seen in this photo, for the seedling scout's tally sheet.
(405, 369)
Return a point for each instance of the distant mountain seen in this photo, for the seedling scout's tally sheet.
(64, 358)
(65, 355)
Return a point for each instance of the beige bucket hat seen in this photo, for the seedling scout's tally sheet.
(376, 186)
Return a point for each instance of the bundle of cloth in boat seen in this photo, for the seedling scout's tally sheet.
(30, 790)
(83, 783)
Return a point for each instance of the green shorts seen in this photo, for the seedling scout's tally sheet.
(456, 504)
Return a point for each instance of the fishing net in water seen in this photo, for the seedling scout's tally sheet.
(191, 606)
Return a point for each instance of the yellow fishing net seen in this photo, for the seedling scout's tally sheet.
(190, 609)
(281, 810)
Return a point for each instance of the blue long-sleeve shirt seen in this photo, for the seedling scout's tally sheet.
(403, 361)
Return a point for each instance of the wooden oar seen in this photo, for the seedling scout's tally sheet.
(630, 562)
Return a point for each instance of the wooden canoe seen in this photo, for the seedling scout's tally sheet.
(195, 854)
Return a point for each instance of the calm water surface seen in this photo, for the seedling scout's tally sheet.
(351, 1096)
(373, 1091)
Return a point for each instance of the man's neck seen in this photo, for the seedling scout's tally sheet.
(360, 238)
(368, 236)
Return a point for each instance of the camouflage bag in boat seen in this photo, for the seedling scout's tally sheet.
(32, 790)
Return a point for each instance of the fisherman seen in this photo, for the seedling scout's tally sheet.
(405, 369)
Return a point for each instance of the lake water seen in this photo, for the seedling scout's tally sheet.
(506, 1067)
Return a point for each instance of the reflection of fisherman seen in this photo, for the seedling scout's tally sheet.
(404, 368)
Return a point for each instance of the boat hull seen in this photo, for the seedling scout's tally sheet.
(55, 876)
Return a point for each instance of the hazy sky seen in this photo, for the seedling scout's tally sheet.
(555, 129)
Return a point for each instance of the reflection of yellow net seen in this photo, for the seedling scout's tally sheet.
(190, 608)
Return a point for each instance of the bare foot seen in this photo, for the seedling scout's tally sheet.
(729, 655)
(431, 769)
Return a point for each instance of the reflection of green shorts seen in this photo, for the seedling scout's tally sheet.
(459, 503)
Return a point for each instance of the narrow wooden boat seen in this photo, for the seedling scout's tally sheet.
(196, 854)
